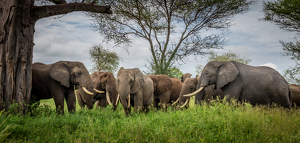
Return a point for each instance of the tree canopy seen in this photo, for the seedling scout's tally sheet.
(174, 29)
(228, 56)
(286, 14)
(103, 59)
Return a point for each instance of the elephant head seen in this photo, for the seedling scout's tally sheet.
(188, 86)
(185, 76)
(161, 83)
(129, 81)
(218, 73)
(71, 74)
(105, 88)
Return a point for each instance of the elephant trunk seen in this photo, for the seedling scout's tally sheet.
(88, 97)
(124, 92)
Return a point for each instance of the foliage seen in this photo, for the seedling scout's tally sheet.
(217, 122)
(292, 76)
(286, 14)
(174, 72)
(174, 29)
(103, 59)
(229, 56)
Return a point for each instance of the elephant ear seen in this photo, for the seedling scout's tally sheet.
(164, 84)
(60, 72)
(227, 73)
(120, 71)
(138, 80)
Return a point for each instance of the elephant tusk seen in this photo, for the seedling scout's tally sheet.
(98, 91)
(192, 94)
(129, 100)
(117, 99)
(86, 91)
(176, 101)
(187, 100)
(107, 98)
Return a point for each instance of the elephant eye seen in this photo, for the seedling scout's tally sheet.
(131, 81)
(79, 72)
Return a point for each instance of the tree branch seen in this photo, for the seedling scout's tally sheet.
(39, 12)
(58, 1)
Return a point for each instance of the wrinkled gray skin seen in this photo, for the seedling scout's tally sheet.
(209, 93)
(139, 86)
(257, 85)
(57, 81)
(105, 81)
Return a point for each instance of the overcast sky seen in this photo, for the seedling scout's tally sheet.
(71, 36)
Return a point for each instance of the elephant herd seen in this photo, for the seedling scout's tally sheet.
(256, 85)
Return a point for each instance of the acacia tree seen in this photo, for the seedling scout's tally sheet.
(286, 14)
(172, 28)
(103, 59)
(17, 20)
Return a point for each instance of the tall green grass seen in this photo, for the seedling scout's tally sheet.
(217, 122)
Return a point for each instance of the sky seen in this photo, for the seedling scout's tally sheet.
(70, 37)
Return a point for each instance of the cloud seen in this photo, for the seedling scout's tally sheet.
(71, 36)
(271, 65)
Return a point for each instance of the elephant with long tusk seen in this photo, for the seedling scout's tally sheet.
(57, 81)
(257, 85)
(105, 89)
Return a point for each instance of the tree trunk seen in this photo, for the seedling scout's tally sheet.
(16, 48)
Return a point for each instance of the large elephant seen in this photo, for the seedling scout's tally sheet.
(295, 93)
(257, 85)
(105, 89)
(162, 85)
(135, 89)
(57, 81)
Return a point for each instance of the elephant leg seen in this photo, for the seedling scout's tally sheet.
(155, 103)
(164, 99)
(57, 93)
(71, 101)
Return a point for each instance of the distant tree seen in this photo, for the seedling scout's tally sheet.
(292, 75)
(286, 14)
(173, 28)
(175, 72)
(229, 56)
(104, 60)
(17, 21)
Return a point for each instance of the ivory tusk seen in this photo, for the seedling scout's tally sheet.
(187, 100)
(128, 100)
(86, 91)
(98, 91)
(176, 101)
(192, 94)
(107, 98)
(117, 99)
